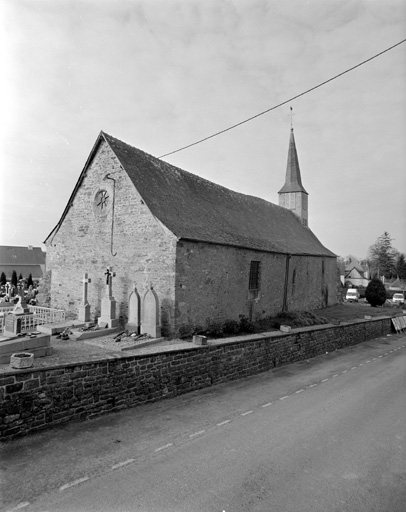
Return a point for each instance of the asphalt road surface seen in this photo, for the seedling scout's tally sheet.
(327, 434)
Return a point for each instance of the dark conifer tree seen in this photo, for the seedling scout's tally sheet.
(375, 293)
(14, 279)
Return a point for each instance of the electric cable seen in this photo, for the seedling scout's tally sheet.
(284, 102)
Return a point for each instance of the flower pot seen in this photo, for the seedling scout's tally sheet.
(22, 360)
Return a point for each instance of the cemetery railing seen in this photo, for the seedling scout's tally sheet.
(40, 316)
(47, 315)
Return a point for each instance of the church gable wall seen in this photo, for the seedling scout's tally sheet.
(144, 249)
(213, 284)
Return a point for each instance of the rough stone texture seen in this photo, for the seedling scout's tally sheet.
(34, 400)
(212, 283)
(145, 248)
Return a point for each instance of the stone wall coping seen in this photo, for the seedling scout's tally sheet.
(235, 340)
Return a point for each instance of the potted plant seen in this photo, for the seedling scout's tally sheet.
(22, 360)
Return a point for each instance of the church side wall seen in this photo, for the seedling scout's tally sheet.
(144, 249)
(212, 284)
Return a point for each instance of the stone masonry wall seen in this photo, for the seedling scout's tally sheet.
(144, 250)
(33, 400)
(212, 283)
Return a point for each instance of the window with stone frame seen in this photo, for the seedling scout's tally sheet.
(254, 280)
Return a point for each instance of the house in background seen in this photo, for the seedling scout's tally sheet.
(355, 274)
(205, 253)
(24, 260)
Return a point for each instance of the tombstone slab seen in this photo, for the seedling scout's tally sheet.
(134, 302)
(150, 314)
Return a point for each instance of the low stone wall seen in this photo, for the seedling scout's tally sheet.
(33, 400)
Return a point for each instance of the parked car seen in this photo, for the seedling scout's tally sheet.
(352, 295)
(398, 298)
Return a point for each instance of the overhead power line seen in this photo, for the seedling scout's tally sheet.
(284, 102)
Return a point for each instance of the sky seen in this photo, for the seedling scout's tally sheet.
(160, 75)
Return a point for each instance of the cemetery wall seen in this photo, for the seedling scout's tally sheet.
(144, 250)
(212, 283)
(33, 400)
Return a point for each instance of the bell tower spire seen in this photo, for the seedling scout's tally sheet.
(293, 195)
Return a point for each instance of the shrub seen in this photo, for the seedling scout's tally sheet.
(246, 325)
(231, 327)
(375, 293)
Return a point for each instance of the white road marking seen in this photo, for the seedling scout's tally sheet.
(380, 356)
(124, 463)
(198, 433)
(336, 375)
(20, 506)
(385, 354)
(361, 364)
(344, 371)
(266, 405)
(75, 482)
(367, 362)
(313, 385)
(299, 390)
(245, 413)
(324, 380)
(374, 359)
(223, 423)
(283, 397)
(354, 368)
(163, 447)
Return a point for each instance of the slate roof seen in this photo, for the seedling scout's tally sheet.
(293, 180)
(13, 255)
(197, 209)
(22, 259)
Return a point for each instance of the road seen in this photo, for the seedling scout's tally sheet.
(327, 434)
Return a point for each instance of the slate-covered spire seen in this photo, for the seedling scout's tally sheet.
(293, 181)
(293, 195)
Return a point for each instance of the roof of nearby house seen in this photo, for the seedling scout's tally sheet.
(196, 209)
(293, 180)
(354, 263)
(12, 255)
(24, 260)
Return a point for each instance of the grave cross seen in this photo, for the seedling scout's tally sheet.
(86, 280)
(8, 288)
(109, 280)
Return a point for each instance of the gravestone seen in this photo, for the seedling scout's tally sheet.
(84, 308)
(8, 290)
(134, 303)
(108, 305)
(13, 320)
(150, 314)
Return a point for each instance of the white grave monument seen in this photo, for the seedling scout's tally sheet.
(84, 308)
(150, 314)
(134, 302)
(108, 305)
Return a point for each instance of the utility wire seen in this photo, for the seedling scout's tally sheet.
(284, 102)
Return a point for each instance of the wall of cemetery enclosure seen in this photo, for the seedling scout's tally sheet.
(144, 249)
(36, 399)
(219, 289)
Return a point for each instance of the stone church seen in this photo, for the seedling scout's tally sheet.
(208, 254)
